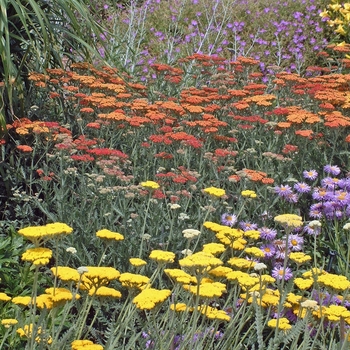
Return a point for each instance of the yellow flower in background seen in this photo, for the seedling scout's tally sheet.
(336, 312)
(289, 220)
(213, 313)
(213, 248)
(220, 271)
(4, 297)
(149, 298)
(180, 307)
(106, 292)
(200, 261)
(299, 257)
(248, 194)
(65, 273)
(85, 345)
(254, 251)
(162, 257)
(214, 192)
(280, 323)
(98, 276)
(8, 322)
(334, 282)
(180, 276)
(241, 263)
(37, 256)
(253, 234)
(109, 235)
(207, 290)
(132, 280)
(137, 262)
(38, 234)
(150, 185)
(303, 284)
(340, 30)
(22, 300)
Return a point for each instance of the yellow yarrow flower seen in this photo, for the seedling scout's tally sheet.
(248, 194)
(105, 292)
(4, 297)
(98, 276)
(303, 284)
(200, 261)
(8, 322)
(220, 271)
(299, 257)
(22, 300)
(256, 252)
(207, 290)
(215, 192)
(137, 262)
(162, 257)
(334, 282)
(37, 256)
(213, 313)
(253, 234)
(180, 307)
(289, 220)
(149, 298)
(150, 185)
(213, 248)
(280, 323)
(85, 345)
(241, 263)
(180, 276)
(109, 235)
(38, 234)
(65, 273)
(132, 280)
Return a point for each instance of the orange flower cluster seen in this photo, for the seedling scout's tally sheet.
(255, 176)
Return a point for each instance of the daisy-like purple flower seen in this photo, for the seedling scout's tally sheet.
(246, 226)
(267, 233)
(284, 191)
(320, 194)
(330, 182)
(280, 273)
(302, 187)
(269, 250)
(310, 174)
(292, 198)
(295, 243)
(228, 219)
(331, 169)
(316, 211)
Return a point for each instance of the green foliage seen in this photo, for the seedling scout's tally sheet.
(35, 35)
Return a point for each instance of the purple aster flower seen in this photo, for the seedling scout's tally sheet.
(331, 169)
(283, 190)
(295, 243)
(246, 226)
(320, 194)
(269, 250)
(302, 187)
(329, 182)
(267, 233)
(310, 174)
(316, 211)
(228, 219)
(292, 198)
(280, 273)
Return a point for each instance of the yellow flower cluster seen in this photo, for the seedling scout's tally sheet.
(149, 298)
(281, 323)
(334, 282)
(132, 280)
(289, 220)
(8, 322)
(4, 297)
(207, 290)
(37, 234)
(85, 345)
(41, 336)
(54, 297)
(180, 276)
(200, 261)
(213, 313)
(162, 257)
(37, 256)
(299, 257)
(109, 235)
(248, 194)
(213, 248)
(150, 185)
(214, 192)
(338, 15)
(137, 262)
